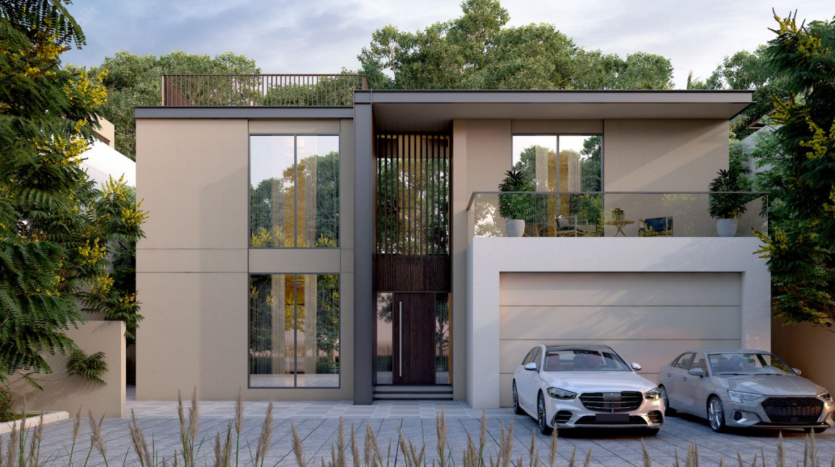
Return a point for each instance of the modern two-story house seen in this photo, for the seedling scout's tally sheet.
(312, 239)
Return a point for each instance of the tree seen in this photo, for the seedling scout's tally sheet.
(55, 227)
(747, 71)
(801, 245)
(133, 80)
(478, 51)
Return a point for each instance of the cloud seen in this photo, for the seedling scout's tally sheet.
(323, 36)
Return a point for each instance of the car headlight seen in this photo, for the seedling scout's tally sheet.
(744, 397)
(825, 396)
(653, 394)
(558, 393)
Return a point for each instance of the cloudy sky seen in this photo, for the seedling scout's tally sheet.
(322, 36)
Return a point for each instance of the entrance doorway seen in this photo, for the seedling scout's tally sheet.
(412, 267)
(412, 345)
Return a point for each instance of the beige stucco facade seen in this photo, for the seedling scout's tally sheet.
(193, 268)
(638, 155)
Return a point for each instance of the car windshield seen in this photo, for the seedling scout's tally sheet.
(583, 360)
(736, 363)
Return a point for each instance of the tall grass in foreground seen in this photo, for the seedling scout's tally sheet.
(23, 447)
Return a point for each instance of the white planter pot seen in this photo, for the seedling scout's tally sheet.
(726, 227)
(515, 227)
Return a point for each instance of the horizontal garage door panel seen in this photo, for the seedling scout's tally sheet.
(620, 289)
(584, 323)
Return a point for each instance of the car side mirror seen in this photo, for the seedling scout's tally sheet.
(637, 367)
(697, 372)
(530, 366)
(796, 370)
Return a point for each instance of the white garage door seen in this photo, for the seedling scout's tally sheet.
(648, 318)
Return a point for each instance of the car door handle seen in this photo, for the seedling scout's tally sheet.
(684, 379)
(668, 375)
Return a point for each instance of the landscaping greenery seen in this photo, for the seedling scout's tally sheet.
(801, 172)
(57, 230)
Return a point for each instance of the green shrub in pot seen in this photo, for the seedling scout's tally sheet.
(516, 207)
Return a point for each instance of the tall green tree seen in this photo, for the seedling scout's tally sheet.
(133, 80)
(55, 227)
(801, 247)
(479, 51)
(747, 71)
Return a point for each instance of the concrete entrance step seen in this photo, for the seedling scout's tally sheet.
(435, 393)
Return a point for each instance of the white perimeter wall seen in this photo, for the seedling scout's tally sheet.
(489, 257)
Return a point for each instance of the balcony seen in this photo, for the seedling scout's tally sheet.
(616, 214)
(261, 90)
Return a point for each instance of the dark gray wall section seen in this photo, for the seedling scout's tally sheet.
(363, 253)
(244, 112)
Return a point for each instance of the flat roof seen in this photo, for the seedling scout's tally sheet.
(434, 110)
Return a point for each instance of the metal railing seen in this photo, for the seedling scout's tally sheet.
(315, 90)
(616, 214)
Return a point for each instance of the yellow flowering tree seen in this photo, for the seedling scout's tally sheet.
(56, 230)
(801, 245)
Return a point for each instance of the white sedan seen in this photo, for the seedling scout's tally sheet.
(585, 386)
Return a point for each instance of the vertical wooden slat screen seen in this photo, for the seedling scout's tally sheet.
(412, 213)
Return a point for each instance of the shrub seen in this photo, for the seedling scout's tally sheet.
(6, 401)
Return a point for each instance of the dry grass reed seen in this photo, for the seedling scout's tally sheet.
(23, 447)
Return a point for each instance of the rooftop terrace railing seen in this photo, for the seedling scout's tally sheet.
(616, 214)
(261, 90)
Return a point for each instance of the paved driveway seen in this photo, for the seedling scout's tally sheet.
(317, 424)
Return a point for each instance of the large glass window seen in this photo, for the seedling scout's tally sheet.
(294, 330)
(579, 167)
(294, 191)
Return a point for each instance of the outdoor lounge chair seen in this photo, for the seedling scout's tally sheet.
(656, 227)
(571, 226)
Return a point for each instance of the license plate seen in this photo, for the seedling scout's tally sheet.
(612, 417)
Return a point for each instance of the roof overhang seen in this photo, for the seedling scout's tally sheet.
(435, 110)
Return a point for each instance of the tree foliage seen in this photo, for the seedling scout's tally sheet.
(801, 247)
(133, 80)
(479, 51)
(747, 71)
(55, 227)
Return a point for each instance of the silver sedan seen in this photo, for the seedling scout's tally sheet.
(744, 388)
(585, 386)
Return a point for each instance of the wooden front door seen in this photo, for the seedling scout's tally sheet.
(414, 334)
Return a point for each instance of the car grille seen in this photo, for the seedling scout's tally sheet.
(793, 410)
(612, 402)
(591, 420)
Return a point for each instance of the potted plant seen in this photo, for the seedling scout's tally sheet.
(726, 208)
(516, 207)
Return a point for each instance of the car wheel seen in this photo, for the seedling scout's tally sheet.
(541, 416)
(516, 409)
(652, 431)
(667, 409)
(716, 414)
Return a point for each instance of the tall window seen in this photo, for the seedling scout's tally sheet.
(294, 330)
(579, 168)
(294, 191)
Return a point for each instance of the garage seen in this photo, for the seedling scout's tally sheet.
(647, 317)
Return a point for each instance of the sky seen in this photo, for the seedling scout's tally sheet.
(323, 36)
